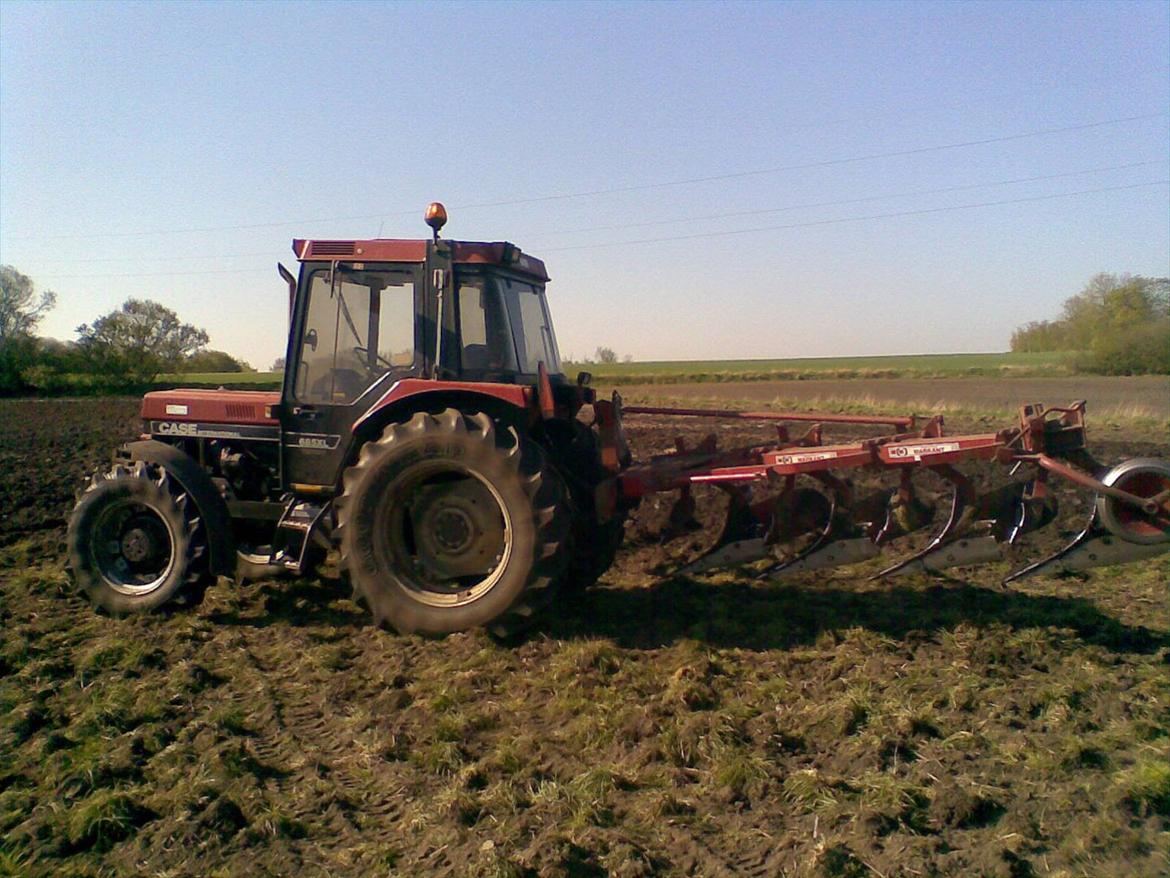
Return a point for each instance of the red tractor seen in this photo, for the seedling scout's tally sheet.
(426, 431)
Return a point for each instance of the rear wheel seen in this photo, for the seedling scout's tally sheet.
(449, 522)
(134, 540)
(594, 543)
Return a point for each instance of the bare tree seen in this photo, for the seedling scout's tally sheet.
(20, 307)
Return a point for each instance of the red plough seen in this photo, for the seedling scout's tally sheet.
(812, 518)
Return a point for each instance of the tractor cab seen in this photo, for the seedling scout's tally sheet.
(365, 312)
(370, 315)
(360, 323)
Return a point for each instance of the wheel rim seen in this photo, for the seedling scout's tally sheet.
(445, 532)
(133, 547)
(1143, 483)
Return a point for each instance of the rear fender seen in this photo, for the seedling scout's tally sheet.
(202, 491)
(502, 410)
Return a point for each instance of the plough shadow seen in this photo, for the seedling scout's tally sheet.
(747, 615)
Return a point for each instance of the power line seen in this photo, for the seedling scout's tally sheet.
(162, 273)
(839, 202)
(697, 236)
(188, 258)
(641, 187)
(732, 215)
(737, 175)
(850, 219)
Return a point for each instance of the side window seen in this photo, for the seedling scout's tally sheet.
(485, 336)
(396, 324)
(355, 331)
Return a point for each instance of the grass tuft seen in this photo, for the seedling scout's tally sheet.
(1145, 787)
(106, 817)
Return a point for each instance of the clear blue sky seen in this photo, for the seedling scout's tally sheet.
(158, 125)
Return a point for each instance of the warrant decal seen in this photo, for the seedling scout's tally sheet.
(805, 457)
(917, 452)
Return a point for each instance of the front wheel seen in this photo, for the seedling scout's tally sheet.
(449, 522)
(134, 540)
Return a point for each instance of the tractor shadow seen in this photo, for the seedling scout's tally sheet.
(783, 616)
(291, 601)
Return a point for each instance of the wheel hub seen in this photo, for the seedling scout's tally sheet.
(453, 530)
(458, 530)
(138, 545)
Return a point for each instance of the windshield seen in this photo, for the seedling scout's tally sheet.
(531, 327)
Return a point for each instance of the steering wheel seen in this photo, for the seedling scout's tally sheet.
(364, 353)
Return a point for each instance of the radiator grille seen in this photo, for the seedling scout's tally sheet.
(242, 411)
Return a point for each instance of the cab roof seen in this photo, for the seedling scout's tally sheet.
(403, 250)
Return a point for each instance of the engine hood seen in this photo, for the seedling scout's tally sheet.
(211, 406)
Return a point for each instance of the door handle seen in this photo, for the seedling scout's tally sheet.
(306, 411)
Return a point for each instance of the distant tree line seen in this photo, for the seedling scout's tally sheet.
(127, 348)
(1117, 325)
(604, 356)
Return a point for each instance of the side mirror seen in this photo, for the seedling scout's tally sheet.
(311, 339)
(584, 379)
(289, 279)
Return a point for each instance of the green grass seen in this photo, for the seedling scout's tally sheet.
(1014, 365)
(227, 379)
(904, 366)
(669, 371)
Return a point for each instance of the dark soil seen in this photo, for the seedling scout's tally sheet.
(824, 725)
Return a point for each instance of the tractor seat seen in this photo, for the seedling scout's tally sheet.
(478, 358)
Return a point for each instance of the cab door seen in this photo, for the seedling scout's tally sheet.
(357, 331)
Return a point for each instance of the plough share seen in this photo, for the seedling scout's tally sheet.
(812, 517)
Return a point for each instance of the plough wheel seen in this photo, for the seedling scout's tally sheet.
(1144, 477)
(1117, 533)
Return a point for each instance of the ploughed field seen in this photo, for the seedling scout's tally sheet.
(1111, 401)
(664, 725)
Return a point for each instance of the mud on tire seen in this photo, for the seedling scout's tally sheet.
(450, 522)
(135, 540)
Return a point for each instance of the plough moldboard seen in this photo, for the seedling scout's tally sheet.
(794, 502)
